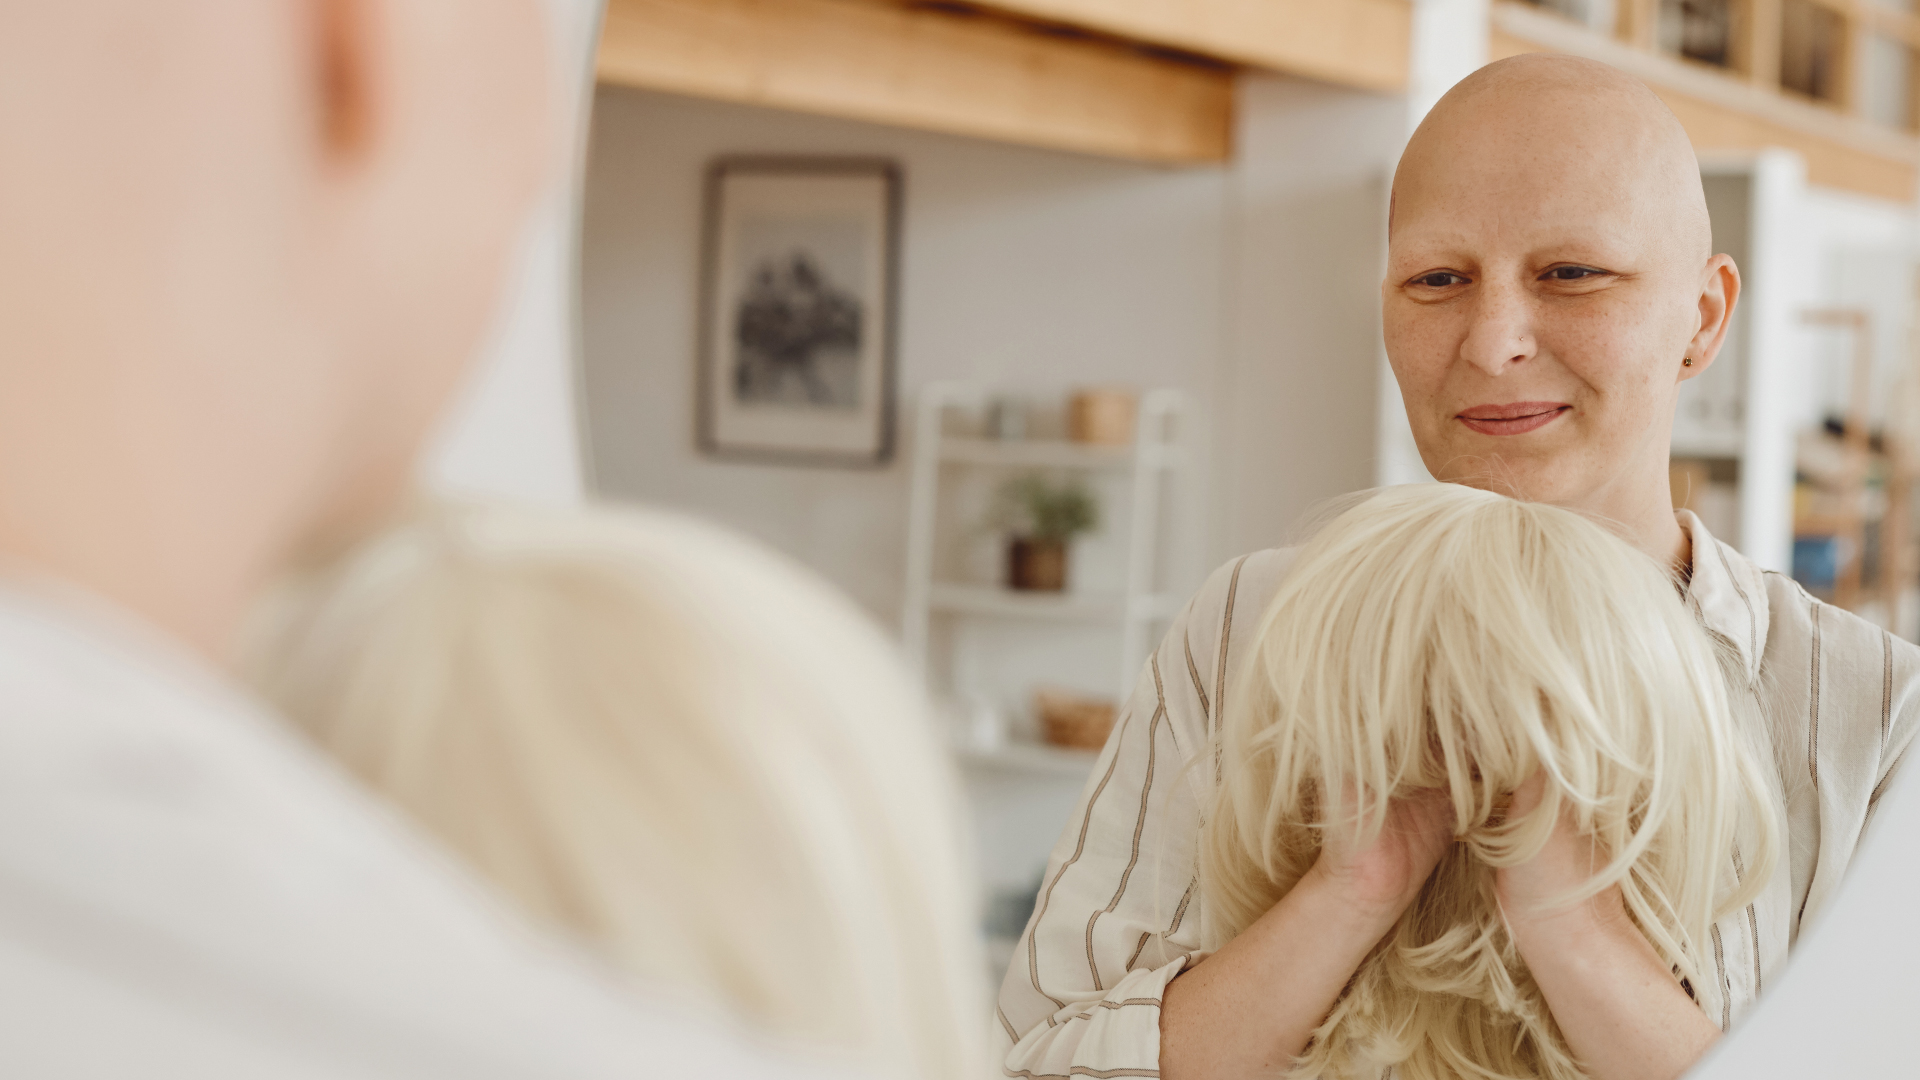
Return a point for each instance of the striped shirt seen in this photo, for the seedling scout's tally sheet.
(1120, 911)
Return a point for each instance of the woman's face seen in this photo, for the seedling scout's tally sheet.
(1542, 289)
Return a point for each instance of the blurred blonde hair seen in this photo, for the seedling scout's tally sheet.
(667, 740)
(1439, 636)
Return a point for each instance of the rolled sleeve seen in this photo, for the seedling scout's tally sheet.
(1119, 912)
(1115, 1035)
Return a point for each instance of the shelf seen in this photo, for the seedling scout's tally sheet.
(970, 630)
(1821, 526)
(1031, 758)
(1049, 454)
(1008, 603)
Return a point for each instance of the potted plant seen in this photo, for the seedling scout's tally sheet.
(1042, 515)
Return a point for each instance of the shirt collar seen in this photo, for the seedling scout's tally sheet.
(1727, 593)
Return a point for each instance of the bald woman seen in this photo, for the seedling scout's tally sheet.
(1550, 284)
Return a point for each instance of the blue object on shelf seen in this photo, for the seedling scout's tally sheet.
(1816, 560)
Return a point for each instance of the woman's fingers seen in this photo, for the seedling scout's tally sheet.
(1565, 864)
(1387, 869)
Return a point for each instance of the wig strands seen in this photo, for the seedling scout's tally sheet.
(701, 762)
(1441, 637)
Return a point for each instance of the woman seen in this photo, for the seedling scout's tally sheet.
(667, 743)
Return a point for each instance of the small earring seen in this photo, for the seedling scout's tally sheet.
(1686, 361)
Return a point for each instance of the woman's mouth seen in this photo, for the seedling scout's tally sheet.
(1517, 418)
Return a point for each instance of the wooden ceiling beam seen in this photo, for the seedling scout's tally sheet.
(1364, 44)
(928, 67)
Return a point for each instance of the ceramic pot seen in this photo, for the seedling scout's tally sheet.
(1037, 565)
(1101, 417)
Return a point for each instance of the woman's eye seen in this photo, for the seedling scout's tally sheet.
(1571, 273)
(1439, 279)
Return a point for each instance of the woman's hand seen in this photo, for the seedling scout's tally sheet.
(1249, 1009)
(1568, 861)
(1622, 1012)
(1386, 874)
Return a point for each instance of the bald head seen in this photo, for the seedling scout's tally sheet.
(1561, 123)
(1551, 281)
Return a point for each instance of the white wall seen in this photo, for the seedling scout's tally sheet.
(1035, 269)
(1299, 408)
(512, 431)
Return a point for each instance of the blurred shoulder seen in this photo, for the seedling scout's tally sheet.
(1228, 606)
(1839, 677)
(1800, 622)
(1241, 582)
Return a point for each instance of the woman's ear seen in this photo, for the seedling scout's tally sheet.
(1719, 292)
(346, 65)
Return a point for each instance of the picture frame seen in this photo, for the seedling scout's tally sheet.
(799, 311)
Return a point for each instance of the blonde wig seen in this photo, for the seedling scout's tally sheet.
(665, 739)
(1436, 636)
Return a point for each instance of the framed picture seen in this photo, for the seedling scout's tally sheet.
(797, 323)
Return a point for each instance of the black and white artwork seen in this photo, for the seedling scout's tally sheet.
(796, 356)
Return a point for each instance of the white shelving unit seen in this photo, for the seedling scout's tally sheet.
(983, 645)
(959, 599)
(1153, 459)
(1047, 761)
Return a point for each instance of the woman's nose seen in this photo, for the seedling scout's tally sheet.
(1501, 332)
